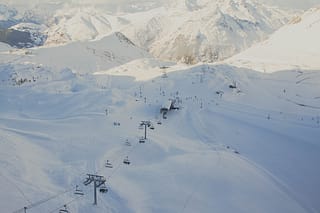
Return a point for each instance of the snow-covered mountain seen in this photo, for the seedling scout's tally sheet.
(185, 31)
(77, 24)
(22, 29)
(221, 138)
(193, 31)
(294, 46)
(111, 51)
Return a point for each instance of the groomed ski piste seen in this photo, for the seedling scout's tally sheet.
(252, 148)
(241, 140)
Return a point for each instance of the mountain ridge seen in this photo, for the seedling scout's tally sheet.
(294, 46)
(187, 32)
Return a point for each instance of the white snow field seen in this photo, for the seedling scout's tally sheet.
(295, 46)
(241, 141)
(253, 148)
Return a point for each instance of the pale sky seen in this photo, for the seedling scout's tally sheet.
(294, 4)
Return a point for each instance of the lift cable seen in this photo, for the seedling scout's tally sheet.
(17, 187)
(66, 204)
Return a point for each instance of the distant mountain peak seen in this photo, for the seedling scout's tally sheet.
(189, 31)
(227, 27)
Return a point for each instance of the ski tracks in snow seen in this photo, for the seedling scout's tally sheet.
(201, 132)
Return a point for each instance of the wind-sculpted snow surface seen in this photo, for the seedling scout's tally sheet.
(244, 148)
(294, 46)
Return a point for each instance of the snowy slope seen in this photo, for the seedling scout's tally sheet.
(83, 57)
(77, 24)
(225, 149)
(241, 141)
(295, 46)
(4, 47)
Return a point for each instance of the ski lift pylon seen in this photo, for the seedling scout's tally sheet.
(87, 181)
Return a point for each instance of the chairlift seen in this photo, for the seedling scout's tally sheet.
(152, 127)
(108, 164)
(164, 115)
(127, 143)
(159, 122)
(65, 210)
(142, 140)
(126, 161)
(87, 181)
(78, 191)
(140, 127)
(103, 189)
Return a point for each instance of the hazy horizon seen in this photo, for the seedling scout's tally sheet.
(292, 4)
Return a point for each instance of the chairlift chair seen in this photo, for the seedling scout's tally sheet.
(65, 210)
(103, 189)
(78, 191)
(159, 122)
(140, 127)
(164, 75)
(142, 140)
(152, 127)
(108, 164)
(126, 161)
